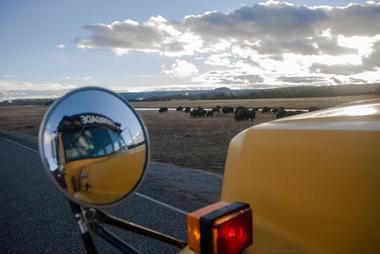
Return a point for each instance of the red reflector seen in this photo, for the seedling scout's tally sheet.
(234, 233)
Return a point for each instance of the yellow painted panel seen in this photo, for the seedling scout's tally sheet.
(109, 178)
(311, 191)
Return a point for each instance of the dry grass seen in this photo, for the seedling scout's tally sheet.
(194, 142)
(175, 136)
(26, 119)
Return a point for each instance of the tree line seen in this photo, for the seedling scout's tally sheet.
(301, 91)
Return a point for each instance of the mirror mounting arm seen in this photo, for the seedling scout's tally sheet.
(105, 218)
(83, 226)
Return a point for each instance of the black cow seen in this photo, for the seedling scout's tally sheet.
(265, 110)
(216, 109)
(210, 113)
(197, 112)
(274, 110)
(281, 113)
(187, 110)
(163, 110)
(179, 108)
(227, 110)
(242, 113)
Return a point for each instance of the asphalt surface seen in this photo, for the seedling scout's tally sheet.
(36, 218)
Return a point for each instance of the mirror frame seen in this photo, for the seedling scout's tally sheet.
(45, 165)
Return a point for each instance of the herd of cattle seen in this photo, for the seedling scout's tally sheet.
(240, 113)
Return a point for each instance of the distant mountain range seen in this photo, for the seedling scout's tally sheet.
(181, 94)
(281, 92)
(218, 93)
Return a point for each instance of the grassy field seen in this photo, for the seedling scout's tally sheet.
(26, 119)
(176, 137)
(198, 143)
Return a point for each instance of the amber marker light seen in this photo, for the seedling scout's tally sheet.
(220, 228)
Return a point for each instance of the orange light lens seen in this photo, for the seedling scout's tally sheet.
(193, 228)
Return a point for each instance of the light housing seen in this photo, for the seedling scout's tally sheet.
(220, 228)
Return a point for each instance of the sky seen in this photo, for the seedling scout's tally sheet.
(48, 47)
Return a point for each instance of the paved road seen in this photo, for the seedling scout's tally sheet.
(35, 217)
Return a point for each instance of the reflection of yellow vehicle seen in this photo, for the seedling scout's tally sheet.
(97, 164)
(311, 180)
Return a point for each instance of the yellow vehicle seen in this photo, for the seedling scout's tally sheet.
(91, 146)
(302, 184)
(312, 182)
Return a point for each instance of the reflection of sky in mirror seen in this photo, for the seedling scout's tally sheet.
(92, 101)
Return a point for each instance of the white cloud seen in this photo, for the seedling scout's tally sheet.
(279, 27)
(257, 22)
(79, 78)
(363, 44)
(231, 78)
(13, 85)
(155, 35)
(61, 46)
(369, 62)
(11, 90)
(257, 44)
(218, 59)
(181, 68)
(355, 19)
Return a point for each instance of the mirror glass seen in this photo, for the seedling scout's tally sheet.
(94, 146)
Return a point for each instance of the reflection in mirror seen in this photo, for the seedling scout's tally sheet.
(94, 146)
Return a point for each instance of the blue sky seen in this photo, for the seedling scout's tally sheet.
(48, 45)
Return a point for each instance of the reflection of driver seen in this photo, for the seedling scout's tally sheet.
(83, 146)
(88, 135)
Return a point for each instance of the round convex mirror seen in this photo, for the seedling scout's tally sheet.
(94, 146)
